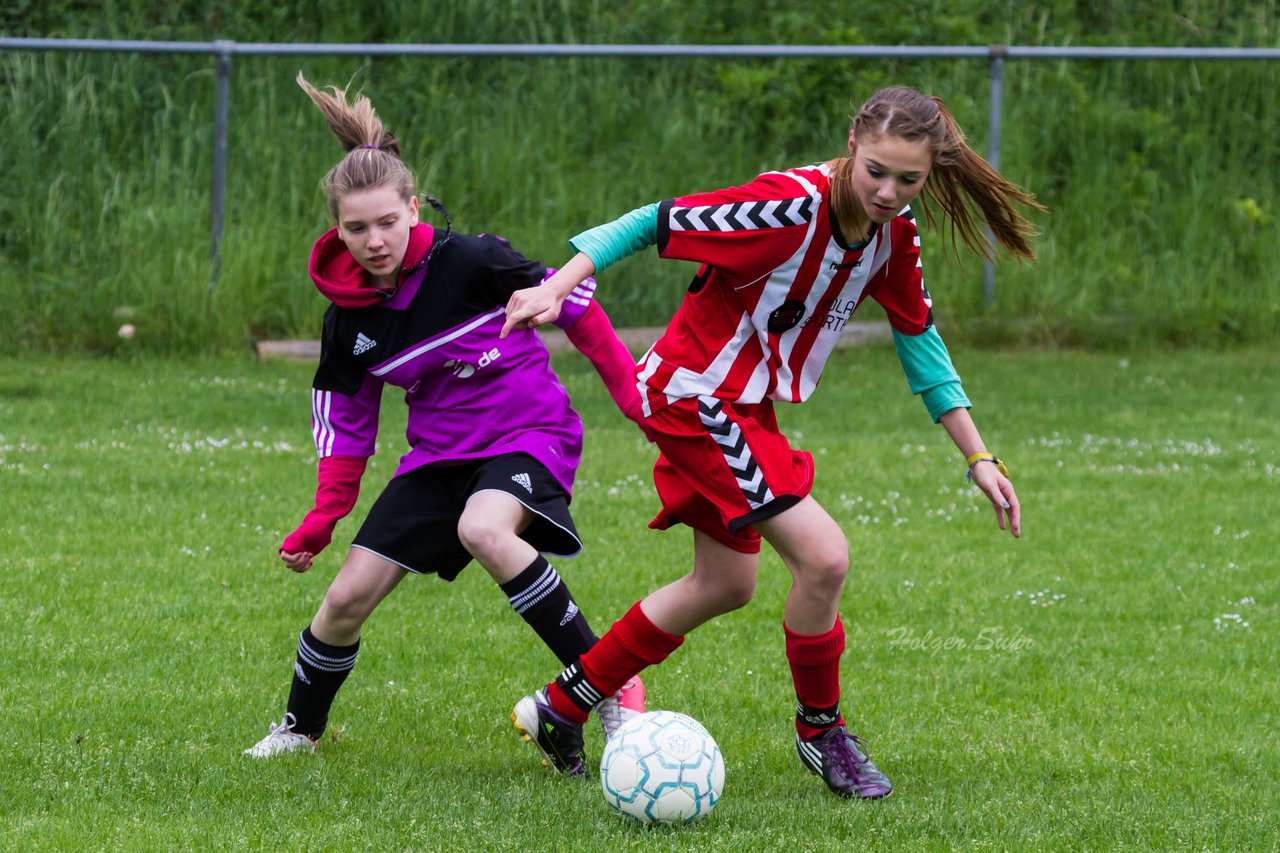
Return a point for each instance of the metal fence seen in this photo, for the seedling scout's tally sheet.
(995, 56)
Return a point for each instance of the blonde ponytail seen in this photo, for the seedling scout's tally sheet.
(373, 154)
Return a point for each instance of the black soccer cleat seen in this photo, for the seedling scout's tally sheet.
(559, 739)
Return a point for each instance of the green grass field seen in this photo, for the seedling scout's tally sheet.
(1106, 682)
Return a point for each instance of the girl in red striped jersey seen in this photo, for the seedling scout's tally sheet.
(784, 262)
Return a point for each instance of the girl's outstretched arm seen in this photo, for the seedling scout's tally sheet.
(534, 306)
(597, 249)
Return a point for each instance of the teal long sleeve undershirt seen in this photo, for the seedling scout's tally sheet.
(607, 244)
(924, 358)
(929, 371)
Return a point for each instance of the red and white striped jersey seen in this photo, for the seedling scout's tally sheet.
(776, 287)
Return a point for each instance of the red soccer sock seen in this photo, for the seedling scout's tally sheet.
(815, 671)
(632, 644)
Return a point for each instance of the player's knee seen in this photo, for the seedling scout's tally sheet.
(734, 593)
(826, 567)
(345, 604)
(478, 536)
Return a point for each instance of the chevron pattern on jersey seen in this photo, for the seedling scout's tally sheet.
(743, 215)
(737, 455)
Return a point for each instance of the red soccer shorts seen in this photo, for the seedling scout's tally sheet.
(723, 467)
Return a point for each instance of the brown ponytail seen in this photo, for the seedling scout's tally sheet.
(959, 181)
(373, 154)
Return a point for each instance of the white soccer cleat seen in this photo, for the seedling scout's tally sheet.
(622, 706)
(281, 738)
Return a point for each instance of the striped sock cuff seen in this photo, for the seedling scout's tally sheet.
(324, 657)
(818, 719)
(532, 585)
(574, 684)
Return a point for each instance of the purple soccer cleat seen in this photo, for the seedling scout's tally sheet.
(838, 757)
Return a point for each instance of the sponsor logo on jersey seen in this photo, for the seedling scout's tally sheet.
(461, 369)
(833, 314)
(465, 369)
(364, 343)
(786, 316)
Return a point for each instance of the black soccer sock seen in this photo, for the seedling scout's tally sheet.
(542, 597)
(317, 674)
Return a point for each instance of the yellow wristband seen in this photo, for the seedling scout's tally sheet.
(983, 456)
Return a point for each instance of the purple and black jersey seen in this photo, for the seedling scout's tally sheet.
(470, 395)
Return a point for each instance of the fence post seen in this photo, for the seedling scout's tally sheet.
(218, 201)
(995, 70)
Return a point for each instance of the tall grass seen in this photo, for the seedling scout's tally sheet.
(1160, 213)
(106, 209)
(1162, 226)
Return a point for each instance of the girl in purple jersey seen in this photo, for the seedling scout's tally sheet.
(493, 440)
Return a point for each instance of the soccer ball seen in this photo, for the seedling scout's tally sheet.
(662, 767)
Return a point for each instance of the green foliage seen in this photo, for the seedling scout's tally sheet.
(1146, 166)
(1042, 694)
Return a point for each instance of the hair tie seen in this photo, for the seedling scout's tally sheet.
(374, 147)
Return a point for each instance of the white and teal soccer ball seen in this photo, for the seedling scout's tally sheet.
(662, 767)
